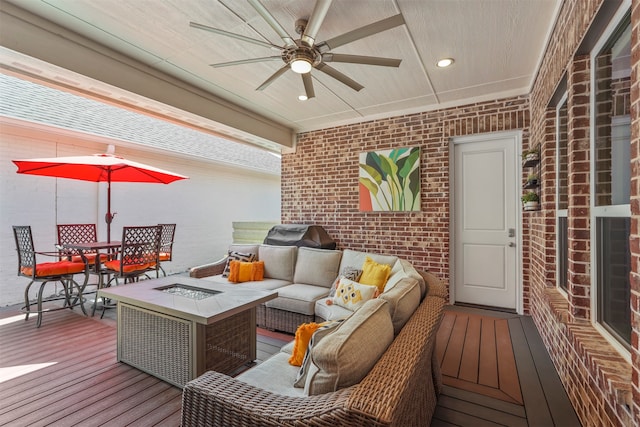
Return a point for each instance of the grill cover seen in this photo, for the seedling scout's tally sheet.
(312, 236)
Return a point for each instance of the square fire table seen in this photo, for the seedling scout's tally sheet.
(177, 328)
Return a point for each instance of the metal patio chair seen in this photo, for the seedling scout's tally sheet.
(45, 272)
(84, 233)
(136, 257)
(167, 233)
(138, 254)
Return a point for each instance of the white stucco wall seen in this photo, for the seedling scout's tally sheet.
(203, 206)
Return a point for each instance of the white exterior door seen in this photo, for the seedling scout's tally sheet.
(485, 225)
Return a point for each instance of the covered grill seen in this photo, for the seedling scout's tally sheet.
(312, 236)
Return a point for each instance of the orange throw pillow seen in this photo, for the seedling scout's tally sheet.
(301, 341)
(240, 271)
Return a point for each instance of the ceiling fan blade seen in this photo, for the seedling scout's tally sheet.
(267, 16)
(273, 77)
(362, 32)
(339, 76)
(308, 85)
(234, 35)
(315, 21)
(247, 61)
(359, 59)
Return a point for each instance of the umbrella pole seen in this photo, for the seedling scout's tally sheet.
(108, 217)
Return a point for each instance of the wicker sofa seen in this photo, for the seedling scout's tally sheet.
(400, 389)
(303, 278)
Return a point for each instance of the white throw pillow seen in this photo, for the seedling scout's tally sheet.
(352, 295)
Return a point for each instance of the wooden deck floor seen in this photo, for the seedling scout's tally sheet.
(496, 371)
(65, 373)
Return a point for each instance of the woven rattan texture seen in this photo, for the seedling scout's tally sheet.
(228, 343)
(155, 343)
(285, 321)
(399, 390)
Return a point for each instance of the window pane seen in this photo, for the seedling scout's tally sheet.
(563, 252)
(612, 140)
(562, 156)
(614, 266)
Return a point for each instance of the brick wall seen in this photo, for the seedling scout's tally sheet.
(635, 203)
(320, 186)
(601, 384)
(320, 180)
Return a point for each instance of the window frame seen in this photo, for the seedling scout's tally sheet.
(602, 211)
(560, 213)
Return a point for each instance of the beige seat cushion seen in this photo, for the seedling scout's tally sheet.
(279, 261)
(344, 357)
(403, 299)
(332, 311)
(275, 375)
(266, 284)
(317, 266)
(298, 298)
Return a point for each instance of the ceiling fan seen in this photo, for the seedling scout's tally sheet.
(304, 54)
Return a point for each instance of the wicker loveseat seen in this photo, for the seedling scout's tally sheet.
(400, 390)
(303, 278)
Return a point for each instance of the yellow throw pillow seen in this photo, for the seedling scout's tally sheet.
(301, 341)
(375, 274)
(240, 271)
(352, 295)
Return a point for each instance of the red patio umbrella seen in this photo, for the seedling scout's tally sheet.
(97, 168)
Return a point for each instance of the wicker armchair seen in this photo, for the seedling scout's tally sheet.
(400, 390)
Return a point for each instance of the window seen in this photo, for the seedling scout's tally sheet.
(611, 181)
(562, 193)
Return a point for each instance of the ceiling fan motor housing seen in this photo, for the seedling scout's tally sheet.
(301, 52)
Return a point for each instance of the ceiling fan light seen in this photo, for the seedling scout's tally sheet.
(444, 62)
(302, 97)
(300, 66)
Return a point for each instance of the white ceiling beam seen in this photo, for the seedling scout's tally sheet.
(31, 35)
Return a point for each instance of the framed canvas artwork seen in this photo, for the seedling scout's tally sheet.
(389, 180)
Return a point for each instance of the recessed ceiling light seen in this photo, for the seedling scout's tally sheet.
(444, 62)
(302, 97)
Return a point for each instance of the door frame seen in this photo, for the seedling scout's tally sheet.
(468, 139)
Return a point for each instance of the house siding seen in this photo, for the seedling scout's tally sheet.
(319, 185)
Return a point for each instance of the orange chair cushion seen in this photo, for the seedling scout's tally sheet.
(164, 256)
(54, 268)
(91, 258)
(115, 266)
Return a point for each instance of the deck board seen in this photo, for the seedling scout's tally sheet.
(87, 386)
(516, 378)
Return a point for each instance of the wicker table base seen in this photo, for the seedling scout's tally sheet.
(177, 338)
(179, 350)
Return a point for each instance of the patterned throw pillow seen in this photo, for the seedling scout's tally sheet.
(236, 256)
(323, 330)
(352, 295)
(347, 272)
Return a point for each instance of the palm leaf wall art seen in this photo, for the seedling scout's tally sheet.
(389, 180)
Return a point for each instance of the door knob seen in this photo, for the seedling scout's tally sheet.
(512, 245)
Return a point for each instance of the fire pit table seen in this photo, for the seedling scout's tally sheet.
(177, 328)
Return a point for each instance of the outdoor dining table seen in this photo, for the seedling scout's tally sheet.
(94, 247)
